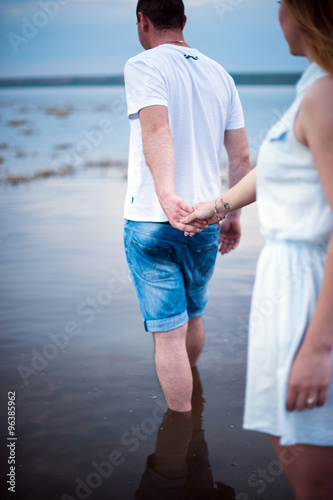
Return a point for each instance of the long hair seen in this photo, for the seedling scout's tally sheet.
(315, 20)
(164, 14)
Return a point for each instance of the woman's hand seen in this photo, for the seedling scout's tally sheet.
(202, 211)
(175, 209)
(309, 379)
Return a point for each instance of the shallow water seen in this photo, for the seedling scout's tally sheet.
(53, 128)
(50, 129)
(88, 403)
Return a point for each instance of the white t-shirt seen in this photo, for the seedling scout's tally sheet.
(202, 103)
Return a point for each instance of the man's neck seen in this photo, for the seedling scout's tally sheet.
(169, 37)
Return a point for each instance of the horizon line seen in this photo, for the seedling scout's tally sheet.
(252, 78)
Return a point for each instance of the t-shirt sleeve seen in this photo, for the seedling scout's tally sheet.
(236, 116)
(145, 86)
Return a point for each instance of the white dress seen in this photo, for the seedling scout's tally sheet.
(297, 223)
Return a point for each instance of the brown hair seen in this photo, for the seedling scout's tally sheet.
(164, 14)
(315, 20)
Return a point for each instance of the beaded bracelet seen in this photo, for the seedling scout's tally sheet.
(215, 210)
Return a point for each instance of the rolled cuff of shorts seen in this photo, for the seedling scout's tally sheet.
(164, 325)
(196, 314)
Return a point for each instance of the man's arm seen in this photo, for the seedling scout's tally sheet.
(239, 165)
(159, 155)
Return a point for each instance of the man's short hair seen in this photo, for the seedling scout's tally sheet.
(164, 14)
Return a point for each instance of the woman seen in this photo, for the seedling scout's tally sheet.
(289, 392)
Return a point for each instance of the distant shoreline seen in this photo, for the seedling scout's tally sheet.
(118, 80)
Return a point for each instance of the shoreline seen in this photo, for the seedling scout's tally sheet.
(104, 164)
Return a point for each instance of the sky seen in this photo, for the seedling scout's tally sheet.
(96, 37)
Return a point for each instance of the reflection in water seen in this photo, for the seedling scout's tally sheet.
(179, 469)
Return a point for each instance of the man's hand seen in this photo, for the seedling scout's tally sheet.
(176, 209)
(230, 234)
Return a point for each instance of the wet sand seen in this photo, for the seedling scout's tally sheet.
(88, 403)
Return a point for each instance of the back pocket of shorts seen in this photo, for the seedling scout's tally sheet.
(204, 263)
(153, 257)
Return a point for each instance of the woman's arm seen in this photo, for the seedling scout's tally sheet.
(311, 371)
(239, 196)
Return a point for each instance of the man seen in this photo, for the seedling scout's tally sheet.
(182, 106)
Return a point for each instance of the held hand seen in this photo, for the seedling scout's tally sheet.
(176, 210)
(201, 211)
(309, 379)
(204, 212)
(230, 234)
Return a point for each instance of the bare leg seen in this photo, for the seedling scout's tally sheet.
(194, 339)
(173, 368)
(308, 469)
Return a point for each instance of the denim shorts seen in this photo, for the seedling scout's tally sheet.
(170, 272)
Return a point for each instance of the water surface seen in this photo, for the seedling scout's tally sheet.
(74, 350)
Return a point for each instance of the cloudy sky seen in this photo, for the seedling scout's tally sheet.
(96, 37)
